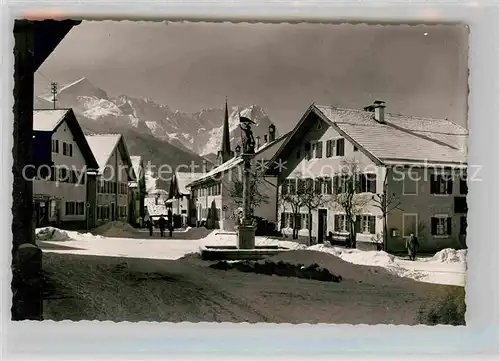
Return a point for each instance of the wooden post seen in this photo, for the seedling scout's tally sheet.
(26, 303)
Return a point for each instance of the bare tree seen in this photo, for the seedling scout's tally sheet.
(386, 203)
(295, 203)
(256, 195)
(348, 196)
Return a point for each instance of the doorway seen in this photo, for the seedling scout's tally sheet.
(322, 224)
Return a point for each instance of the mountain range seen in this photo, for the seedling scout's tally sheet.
(154, 131)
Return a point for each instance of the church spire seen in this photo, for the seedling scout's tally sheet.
(225, 153)
(226, 145)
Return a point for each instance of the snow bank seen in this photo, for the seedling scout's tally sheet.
(52, 234)
(450, 255)
(367, 258)
(115, 229)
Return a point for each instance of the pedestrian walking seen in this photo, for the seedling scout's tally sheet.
(412, 245)
(161, 225)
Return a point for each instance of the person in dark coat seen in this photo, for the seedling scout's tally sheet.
(412, 245)
(149, 224)
(161, 225)
(170, 220)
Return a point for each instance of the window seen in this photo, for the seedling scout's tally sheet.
(464, 189)
(292, 185)
(410, 222)
(327, 186)
(441, 184)
(55, 146)
(463, 225)
(309, 184)
(318, 149)
(441, 226)
(368, 224)
(70, 208)
(70, 150)
(81, 208)
(99, 212)
(305, 220)
(301, 183)
(367, 183)
(355, 149)
(330, 148)
(410, 184)
(340, 223)
(340, 147)
(341, 183)
(65, 148)
(318, 185)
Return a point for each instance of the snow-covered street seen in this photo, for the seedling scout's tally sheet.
(446, 267)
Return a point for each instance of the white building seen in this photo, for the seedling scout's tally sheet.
(111, 189)
(60, 195)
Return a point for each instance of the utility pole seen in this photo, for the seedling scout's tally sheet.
(53, 90)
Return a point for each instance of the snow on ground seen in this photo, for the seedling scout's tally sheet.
(446, 267)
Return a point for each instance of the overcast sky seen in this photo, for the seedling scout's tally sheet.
(281, 67)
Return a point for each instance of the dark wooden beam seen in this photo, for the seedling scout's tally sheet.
(34, 41)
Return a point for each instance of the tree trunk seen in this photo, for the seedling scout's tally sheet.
(386, 235)
(310, 228)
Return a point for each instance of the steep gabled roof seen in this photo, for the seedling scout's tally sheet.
(49, 120)
(137, 165)
(180, 182)
(103, 145)
(236, 161)
(401, 140)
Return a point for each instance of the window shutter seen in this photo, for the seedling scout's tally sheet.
(372, 183)
(340, 147)
(328, 148)
(372, 224)
(434, 224)
(450, 185)
(337, 222)
(360, 183)
(448, 226)
(434, 183)
(71, 150)
(319, 150)
(463, 186)
(335, 184)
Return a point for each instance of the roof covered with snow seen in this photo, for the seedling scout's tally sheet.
(48, 120)
(102, 146)
(136, 165)
(153, 208)
(183, 179)
(404, 138)
(237, 160)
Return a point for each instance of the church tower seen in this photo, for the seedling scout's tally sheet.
(225, 153)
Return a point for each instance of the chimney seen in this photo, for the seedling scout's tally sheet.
(378, 108)
(237, 150)
(265, 138)
(272, 132)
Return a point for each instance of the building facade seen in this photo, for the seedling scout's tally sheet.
(417, 164)
(137, 192)
(111, 185)
(179, 196)
(60, 188)
(214, 196)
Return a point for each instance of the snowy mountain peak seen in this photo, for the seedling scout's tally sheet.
(197, 133)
